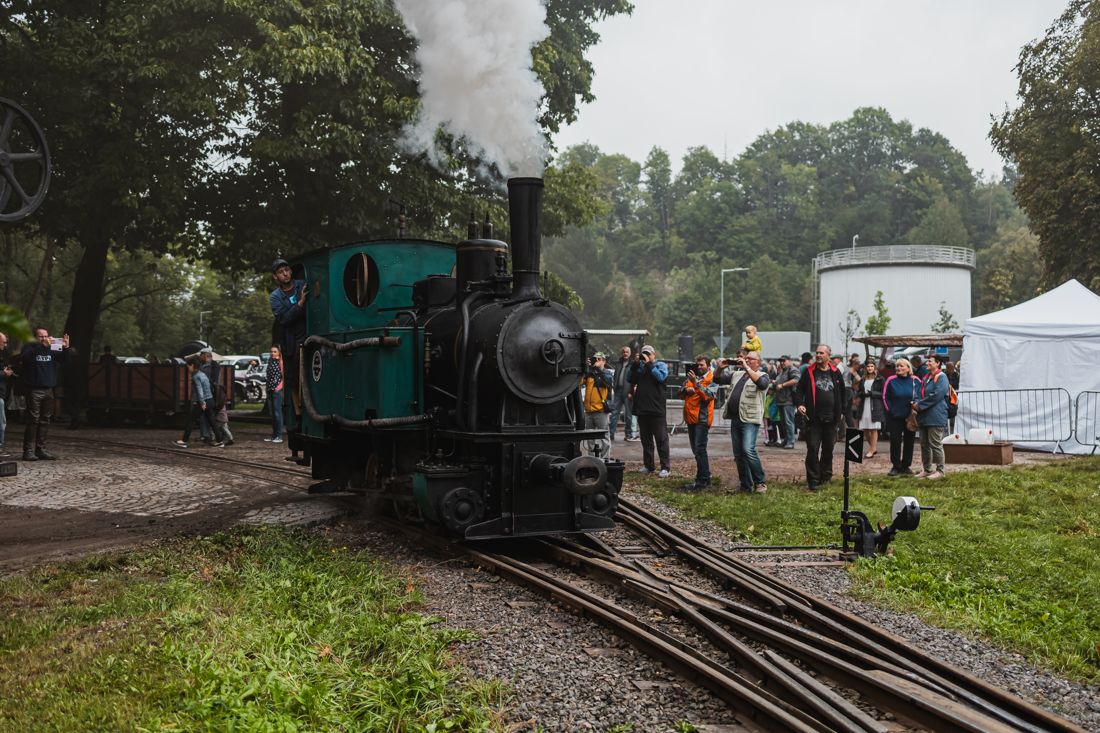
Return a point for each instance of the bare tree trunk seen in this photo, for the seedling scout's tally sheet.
(83, 316)
(43, 275)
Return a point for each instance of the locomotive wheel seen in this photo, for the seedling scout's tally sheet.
(24, 163)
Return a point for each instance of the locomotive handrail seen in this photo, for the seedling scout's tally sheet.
(307, 394)
(352, 345)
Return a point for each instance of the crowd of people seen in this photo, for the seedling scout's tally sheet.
(815, 401)
(39, 366)
(208, 398)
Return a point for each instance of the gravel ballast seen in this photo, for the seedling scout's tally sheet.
(567, 673)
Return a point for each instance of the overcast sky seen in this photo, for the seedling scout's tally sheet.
(682, 73)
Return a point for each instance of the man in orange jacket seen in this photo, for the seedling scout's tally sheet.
(698, 394)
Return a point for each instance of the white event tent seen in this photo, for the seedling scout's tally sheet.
(1048, 343)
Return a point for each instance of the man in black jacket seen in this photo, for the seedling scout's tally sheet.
(41, 373)
(820, 400)
(648, 377)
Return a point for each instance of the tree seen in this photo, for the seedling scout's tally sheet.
(1053, 139)
(850, 327)
(14, 324)
(234, 131)
(879, 323)
(941, 225)
(131, 96)
(947, 322)
(1009, 271)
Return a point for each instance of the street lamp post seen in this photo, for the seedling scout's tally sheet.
(201, 314)
(722, 308)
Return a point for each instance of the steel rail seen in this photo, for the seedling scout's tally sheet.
(874, 678)
(799, 686)
(74, 440)
(821, 614)
(760, 705)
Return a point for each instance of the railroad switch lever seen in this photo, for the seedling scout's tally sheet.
(857, 530)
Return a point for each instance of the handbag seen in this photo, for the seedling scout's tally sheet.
(911, 422)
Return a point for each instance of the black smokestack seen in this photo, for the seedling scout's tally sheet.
(525, 217)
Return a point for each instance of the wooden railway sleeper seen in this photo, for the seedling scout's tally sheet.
(761, 706)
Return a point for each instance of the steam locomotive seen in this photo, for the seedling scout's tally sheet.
(432, 377)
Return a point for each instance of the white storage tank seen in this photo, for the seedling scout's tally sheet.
(914, 280)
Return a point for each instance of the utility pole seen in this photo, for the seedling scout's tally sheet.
(722, 307)
(201, 327)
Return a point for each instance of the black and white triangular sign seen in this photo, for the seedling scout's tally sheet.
(853, 445)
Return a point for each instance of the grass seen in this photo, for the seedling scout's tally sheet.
(1010, 554)
(257, 630)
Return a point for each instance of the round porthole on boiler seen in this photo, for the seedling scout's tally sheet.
(361, 279)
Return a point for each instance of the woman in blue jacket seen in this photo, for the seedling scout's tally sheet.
(932, 418)
(899, 395)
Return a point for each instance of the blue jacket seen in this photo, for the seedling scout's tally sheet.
(200, 387)
(290, 319)
(899, 394)
(932, 406)
(649, 393)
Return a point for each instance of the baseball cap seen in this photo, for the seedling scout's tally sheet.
(280, 262)
(647, 349)
(784, 358)
(599, 355)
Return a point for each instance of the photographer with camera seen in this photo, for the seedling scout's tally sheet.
(745, 411)
(41, 364)
(698, 393)
(597, 390)
(648, 376)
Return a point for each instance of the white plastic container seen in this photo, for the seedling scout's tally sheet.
(953, 439)
(980, 436)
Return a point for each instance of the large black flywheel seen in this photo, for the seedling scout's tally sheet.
(24, 163)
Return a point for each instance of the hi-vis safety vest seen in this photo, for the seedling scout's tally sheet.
(698, 405)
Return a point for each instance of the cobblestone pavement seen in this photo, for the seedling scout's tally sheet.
(99, 497)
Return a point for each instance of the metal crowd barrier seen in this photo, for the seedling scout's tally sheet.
(1020, 415)
(1086, 428)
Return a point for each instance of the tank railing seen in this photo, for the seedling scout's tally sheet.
(897, 254)
(1086, 427)
(1041, 415)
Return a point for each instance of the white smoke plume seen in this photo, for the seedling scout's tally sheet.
(476, 78)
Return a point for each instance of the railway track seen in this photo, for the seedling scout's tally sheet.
(224, 462)
(783, 660)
